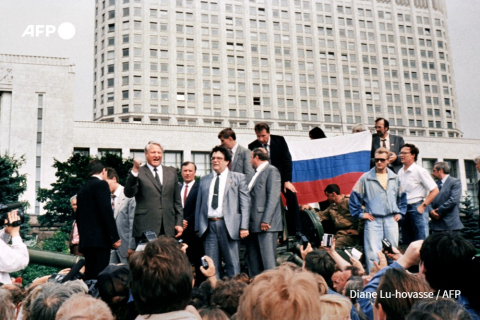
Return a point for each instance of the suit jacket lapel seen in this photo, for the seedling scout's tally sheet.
(228, 184)
(190, 194)
(149, 174)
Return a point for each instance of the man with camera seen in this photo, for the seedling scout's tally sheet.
(15, 257)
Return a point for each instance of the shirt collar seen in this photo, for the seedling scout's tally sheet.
(97, 176)
(190, 184)
(223, 174)
(152, 167)
(411, 167)
(118, 191)
(261, 167)
(235, 147)
(445, 178)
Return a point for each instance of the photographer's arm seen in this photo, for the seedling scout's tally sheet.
(14, 257)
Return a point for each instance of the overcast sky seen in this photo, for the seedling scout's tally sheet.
(17, 15)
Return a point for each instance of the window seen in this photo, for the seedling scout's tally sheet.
(203, 162)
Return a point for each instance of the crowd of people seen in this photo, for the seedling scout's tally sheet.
(159, 249)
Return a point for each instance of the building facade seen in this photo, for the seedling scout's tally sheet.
(295, 64)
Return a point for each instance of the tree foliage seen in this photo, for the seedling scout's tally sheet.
(13, 185)
(71, 176)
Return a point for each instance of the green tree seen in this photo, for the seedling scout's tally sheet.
(71, 176)
(13, 185)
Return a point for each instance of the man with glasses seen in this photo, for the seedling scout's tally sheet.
(222, 212)
(420, 189)
(157, 195)
(385, 203)
(389, 141)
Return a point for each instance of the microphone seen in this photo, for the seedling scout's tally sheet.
(74, 271)
(10, 206)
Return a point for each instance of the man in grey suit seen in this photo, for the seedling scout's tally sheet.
(265, 213)
(386, 140)
(124, 212)
(444, 209)
(240, 155)
(222, 212)
(157, 195)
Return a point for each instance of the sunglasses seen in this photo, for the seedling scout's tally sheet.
(380, 160)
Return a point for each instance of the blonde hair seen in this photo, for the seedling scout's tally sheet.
(280, 294)
(334, 307)
(84, 307)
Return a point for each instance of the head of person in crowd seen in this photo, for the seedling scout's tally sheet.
(33, 291)
(112, 180)
(188, 171)
(321, 263)
(161, 277)
(112, 284)
(17, 292)
(77, 286)
(339, 279)
(359, 127)
(381, 127)
(7, 308)
(438, 309)
(97, 167)
(220, 158)
(227, 295)
(82, 306)
(321, 283)
(227, 138)
(409, 154)
(316, 133)
(153, 153)
(47, 303)
(280, 294)
(199, 298)
(262, 130)
(381, 160)
(73, 203)
(213, 313)
(332, 191)
(448, 262)
(387, 305)
(353, 284)
(440, 169)
(258, 157)
(242, 277)
(334, 307)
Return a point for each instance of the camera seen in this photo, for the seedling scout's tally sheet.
(6, 208)
(204, 263)
(147, 236)
(327, 240)
(387, 246)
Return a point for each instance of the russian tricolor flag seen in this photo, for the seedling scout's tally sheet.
(317, 163)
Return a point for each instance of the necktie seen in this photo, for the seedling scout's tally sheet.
(185, 195)
(231, 161)
(157, 177)
(113, 202)
(265, 146)
(439, 184)
(384, 143)
(215, 193)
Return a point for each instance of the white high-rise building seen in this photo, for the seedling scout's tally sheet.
(294, 64)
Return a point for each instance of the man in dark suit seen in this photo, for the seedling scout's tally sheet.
(265, 214)
(445, 208)
(96, 225)
(240, 155)
(188, 192)
(157, 194)
(280, 158)
(124, 213)
(222, 212)
(384, 139)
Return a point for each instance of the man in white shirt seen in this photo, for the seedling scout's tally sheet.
(15, 257)
(421, 189)
(222, 212)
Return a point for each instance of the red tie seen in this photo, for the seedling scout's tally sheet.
(185, 195)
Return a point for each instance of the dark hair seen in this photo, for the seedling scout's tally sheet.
(186, 163)
(260, 153)
(413, 149)
(331, 188)
(95, 167)
(223, 150)
(227, 133)
(111, 173)
(398, 280)
(259, 127)
(447, 258)
(438, 309)
(50, 299)
(386, 124)
(227, 295)
(212, 313)
(316, 133)
(321, 263)
(160, 277)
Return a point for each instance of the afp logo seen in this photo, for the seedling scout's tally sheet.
(65, 31)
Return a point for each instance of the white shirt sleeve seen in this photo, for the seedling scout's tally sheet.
(427, 180)
(14, 257)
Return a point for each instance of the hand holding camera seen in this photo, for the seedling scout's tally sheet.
(13, 224)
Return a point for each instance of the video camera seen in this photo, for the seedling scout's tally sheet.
(6, 208)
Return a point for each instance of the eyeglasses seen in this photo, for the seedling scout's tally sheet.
(217, 158)
(380, 160)
(404, 153)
